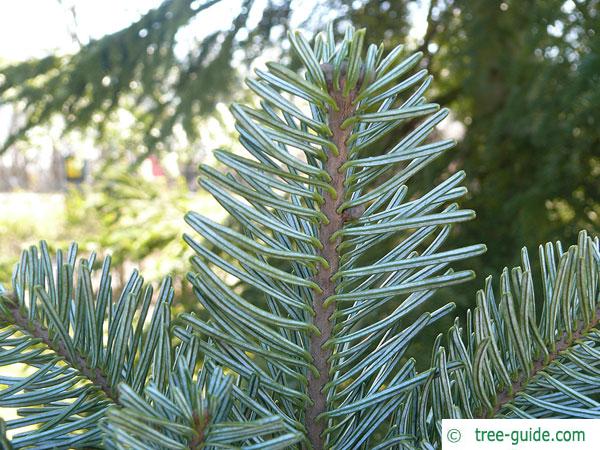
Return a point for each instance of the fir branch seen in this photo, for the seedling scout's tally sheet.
(326, 235)
(515, 362)
(565, 343)
(313, 191)
(90, 336)
(126, 59)
(95, 375)
(192, 413)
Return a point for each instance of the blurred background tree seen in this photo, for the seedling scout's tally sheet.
(522, 80)
(520, 77)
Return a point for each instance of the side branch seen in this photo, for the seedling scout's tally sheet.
(95, 375)
(507, 395)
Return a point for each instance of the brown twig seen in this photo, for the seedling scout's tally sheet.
(430, 30)
(200, 422)
(322, 320)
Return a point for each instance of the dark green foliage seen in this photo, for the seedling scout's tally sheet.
(526, 77)
(135, 68)
(523, 79)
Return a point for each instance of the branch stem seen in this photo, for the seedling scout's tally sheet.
(322, 320)
(200, 422)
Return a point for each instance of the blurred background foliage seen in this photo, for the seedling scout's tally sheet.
(140, 107)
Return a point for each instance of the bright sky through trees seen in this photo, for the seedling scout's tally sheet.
(53, 26)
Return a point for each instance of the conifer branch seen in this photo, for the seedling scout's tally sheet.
(515, 362)
(92, 343)
(566, 342)
(312, 190)
(296, 347)
(194, 412)
(95, 375)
